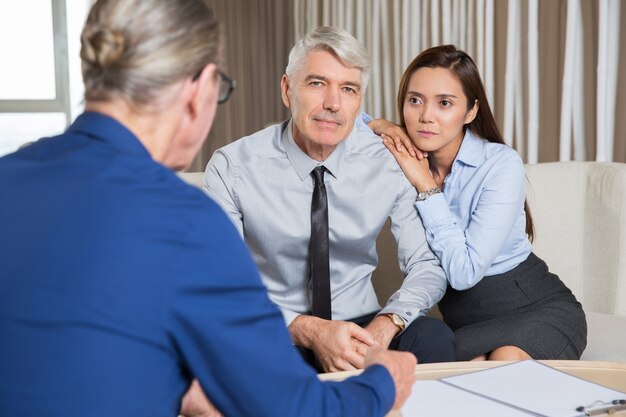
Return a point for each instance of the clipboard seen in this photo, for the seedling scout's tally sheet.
(525, 388)
(602, 407)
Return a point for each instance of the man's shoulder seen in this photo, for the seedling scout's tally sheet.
(364, 144)
(367, 155)
(265, 143)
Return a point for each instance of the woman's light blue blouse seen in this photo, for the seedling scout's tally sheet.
(476, 227)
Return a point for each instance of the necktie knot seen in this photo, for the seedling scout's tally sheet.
(318, 175)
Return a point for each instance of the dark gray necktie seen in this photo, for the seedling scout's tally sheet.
(318, 248)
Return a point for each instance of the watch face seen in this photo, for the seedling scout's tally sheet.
(397, 321)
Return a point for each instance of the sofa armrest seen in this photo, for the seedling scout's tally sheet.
(579, 209)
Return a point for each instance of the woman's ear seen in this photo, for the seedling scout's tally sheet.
(471, 114)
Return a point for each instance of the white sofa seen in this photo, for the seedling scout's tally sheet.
(579, 210)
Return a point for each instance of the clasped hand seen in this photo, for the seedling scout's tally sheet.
(341, 345)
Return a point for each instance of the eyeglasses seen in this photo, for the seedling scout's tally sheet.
(227, 85)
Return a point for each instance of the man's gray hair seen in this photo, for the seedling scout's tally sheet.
(337, 41)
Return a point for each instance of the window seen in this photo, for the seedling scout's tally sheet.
(40, 80)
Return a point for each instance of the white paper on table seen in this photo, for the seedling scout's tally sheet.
(536, 387)
(438, 399)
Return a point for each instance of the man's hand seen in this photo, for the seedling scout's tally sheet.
(382, 330)
(401, 366)
(196, 404)
(338, 345)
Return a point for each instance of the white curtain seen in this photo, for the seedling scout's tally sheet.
(515, 54)
(572, 103)
(395, 31)
(608, 53)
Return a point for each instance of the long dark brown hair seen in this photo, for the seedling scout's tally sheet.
(464, 69)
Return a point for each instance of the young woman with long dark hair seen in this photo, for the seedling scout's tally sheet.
(502, 302)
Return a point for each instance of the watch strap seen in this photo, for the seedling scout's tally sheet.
(423, 195)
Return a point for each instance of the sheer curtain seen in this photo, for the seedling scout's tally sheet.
(551, 67)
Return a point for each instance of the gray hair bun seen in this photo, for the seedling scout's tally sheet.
(101, 46)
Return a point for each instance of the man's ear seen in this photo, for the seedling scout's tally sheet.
(285, 90)
(471, 115)
(204, 88)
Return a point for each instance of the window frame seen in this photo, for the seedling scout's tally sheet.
(62, 102)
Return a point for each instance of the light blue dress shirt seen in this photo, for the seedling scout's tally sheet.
(477, 226)
(263, 183)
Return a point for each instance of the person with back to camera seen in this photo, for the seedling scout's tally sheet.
(119, 282)
(318, 264)
(502, 302)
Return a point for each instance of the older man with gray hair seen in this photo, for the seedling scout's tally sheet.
(310, 196)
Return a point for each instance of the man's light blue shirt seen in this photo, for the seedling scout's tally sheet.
(477, 227)
(263, 183)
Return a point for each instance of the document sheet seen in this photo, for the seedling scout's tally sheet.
(522, 389)
(438, 399)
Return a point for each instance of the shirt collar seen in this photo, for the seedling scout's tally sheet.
(106, 129)
(302, 163)
(472, 150)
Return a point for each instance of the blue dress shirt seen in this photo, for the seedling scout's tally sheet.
(477, 227)
(119, 283)
(263, 182)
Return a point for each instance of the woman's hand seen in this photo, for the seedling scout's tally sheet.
(415, 168)
(397, 135)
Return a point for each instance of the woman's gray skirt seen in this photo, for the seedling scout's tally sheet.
(527, 307)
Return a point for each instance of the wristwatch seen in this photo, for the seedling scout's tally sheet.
(396, 319)
(423, 195)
